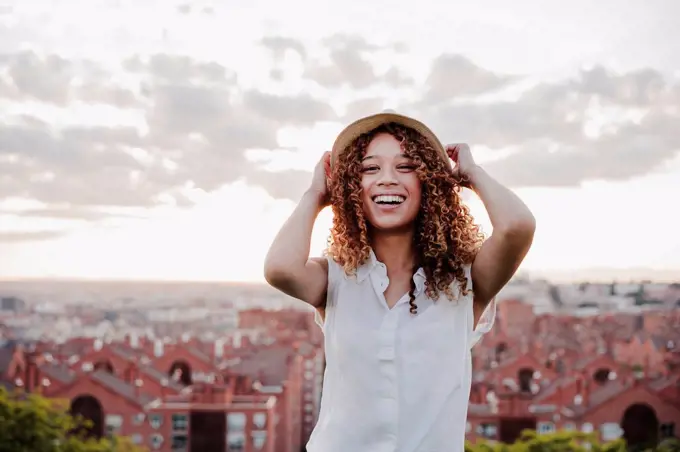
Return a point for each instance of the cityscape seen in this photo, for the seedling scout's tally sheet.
(183, 369)
(151, 151)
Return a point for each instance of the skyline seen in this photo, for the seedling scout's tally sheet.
(128, 146)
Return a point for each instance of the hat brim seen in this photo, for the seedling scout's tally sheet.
(370, 123)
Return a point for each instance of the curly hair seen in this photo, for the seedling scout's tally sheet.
(446, 236)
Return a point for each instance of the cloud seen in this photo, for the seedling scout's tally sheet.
(30, 236)
(631, 118)
(179, 69)
(199, 120)
(630, 151)
(187, 9)
(455, 75)
(642, 87)
(184, 9)
(78, 165)
(70, 213)
(363, 107)
(279, 45)
(46, 79)
(347, 67)
(289, 184)
(199, 123)
(55, 80)
(349, 63)
(289, 110)
(541, 113)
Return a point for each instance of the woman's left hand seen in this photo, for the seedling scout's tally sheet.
(464, 164)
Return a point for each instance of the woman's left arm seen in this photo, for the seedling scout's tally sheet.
(513, 229)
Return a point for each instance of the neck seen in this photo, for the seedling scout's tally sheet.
(394, 249)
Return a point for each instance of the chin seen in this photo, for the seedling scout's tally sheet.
(389, 223)
(405, 231)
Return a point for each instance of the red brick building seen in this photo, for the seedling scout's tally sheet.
(182, 395)
(259, 388)
(575, 374)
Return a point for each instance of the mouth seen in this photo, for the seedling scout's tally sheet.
(389, 200)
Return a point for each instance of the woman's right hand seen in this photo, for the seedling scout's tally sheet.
(321, 179)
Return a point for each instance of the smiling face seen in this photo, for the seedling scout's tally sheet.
(443, 231)
(391, 190)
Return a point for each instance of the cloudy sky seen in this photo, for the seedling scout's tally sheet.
(158, 140)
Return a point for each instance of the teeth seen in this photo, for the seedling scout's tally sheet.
(392, 199)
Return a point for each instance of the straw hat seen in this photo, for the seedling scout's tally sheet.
(369, 123)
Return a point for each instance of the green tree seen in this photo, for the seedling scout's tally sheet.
(31, 423)
(564, 441)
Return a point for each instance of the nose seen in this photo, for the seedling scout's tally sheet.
(387, 177)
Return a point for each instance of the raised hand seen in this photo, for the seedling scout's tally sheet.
(321, 179)
(463, 162)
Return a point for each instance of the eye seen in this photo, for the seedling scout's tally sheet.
(369, 169)
(406, 167)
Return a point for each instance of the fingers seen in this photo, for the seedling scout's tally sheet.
(452, 151)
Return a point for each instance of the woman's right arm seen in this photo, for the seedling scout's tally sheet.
(288, 266)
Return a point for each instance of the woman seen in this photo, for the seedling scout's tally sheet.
(407, 285)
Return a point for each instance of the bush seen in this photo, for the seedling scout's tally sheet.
(32, 423)
(565, 442)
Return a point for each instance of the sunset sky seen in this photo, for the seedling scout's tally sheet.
(159, 140)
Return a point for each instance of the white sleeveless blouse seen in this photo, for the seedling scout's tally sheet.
(394, 382)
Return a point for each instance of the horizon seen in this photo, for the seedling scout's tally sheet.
(175, 149)
(599, 275)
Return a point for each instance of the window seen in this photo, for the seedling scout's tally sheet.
(587, 428)
(610, 431)
(236, 441)
(138, 419)
(236, 422)
(309, 364)
(180, 443)
(487, 430)
(545, 427)
(260, 419)
(156, 420)
(309, 407)
(179, 422)
(136, 439)
(113, 424)
(667, 430)
(259, 440)
(309, 375)
(156, 441)
(570, 426)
